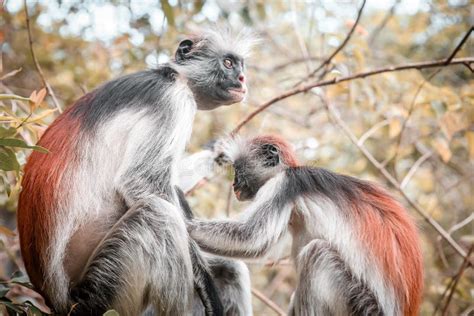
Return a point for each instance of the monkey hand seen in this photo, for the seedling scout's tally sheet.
(220, 149)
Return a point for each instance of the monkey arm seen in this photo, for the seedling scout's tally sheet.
(252, 235)
(194, 168)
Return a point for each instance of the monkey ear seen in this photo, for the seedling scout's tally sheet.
(183, 49)
(271, 156)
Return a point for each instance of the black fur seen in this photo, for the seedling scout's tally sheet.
(203, 282)
(184, 204)
(139, 90)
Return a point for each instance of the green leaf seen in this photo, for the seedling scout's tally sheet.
(22, 279)
(111, 312)
(6, 185)
(8, 161)
(10, 306)
(3, 290)
(7, 132)
(33, 310)
(14, 142)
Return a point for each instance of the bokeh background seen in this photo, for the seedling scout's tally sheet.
(416, 124)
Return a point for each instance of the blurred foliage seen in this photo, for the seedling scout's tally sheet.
(411, 114)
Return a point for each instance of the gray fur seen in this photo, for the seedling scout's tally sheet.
(119, 239)
(336, 275)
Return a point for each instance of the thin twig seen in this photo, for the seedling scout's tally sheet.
(384, 22)
(10, 74)
(339, 122)
(458, 276)
(450, 60)
(458, 47)
(305, 88)
(339, 48)
(372, 130)
(461, 224)
(414, 168)
(410, 112)
(273, 306)
(299, 38)
(35, 60)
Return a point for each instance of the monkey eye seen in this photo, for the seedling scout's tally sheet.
(270, 155)
(228, 63)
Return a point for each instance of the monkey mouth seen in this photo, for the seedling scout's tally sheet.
(242, 196)
(237, 94)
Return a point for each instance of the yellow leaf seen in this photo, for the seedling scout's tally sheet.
(442, 147)
(453, 122)
(6, 231)
(394, 128)
(470, 143)
(42, 115)
(40, 96)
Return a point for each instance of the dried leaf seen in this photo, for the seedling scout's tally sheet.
(40, 96)
(470, 143)
(36, 98)
(442, 147)
(6, 231)
(394, 128)
(453, 122)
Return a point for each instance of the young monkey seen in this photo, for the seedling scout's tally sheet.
(355, 248)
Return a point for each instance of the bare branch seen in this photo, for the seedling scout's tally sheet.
(371, 131)
(35, 60)
(384, 22)
(457, 277)
(10, 74)
(339, 122)
(414, 168)
(273, 306)
(461, 43)
(305, 88)
(461, 224)
(340, 47)
(410, 112)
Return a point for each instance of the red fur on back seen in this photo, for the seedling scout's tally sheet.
(385, 229)
(391, 236)
(42, 190)
(286, 151)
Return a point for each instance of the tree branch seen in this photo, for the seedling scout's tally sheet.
(35, 60)
(268, 302)
(450, 60)
(461, 43)
(305, 88)
(384, 22)
(339, 48)
(339, 122)
(456, 279)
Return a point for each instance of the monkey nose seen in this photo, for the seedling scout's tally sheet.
(242, 78)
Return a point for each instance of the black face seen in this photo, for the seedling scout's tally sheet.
(251, 173)
(216, 78)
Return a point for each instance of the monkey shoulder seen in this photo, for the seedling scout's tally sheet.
(312, 180)
(166, 72)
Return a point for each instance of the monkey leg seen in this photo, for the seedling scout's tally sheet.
(143, 260)
(233, 282)
(327, 286)
(204, 284)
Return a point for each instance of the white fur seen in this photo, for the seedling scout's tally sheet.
(324, 220)
(89, 201)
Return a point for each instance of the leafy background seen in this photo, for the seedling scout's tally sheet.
(415, 122)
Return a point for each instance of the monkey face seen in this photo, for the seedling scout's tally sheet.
(215, 76)
(254, 169)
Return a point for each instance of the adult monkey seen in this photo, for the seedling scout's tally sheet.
(355, 248)
(99, 217)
